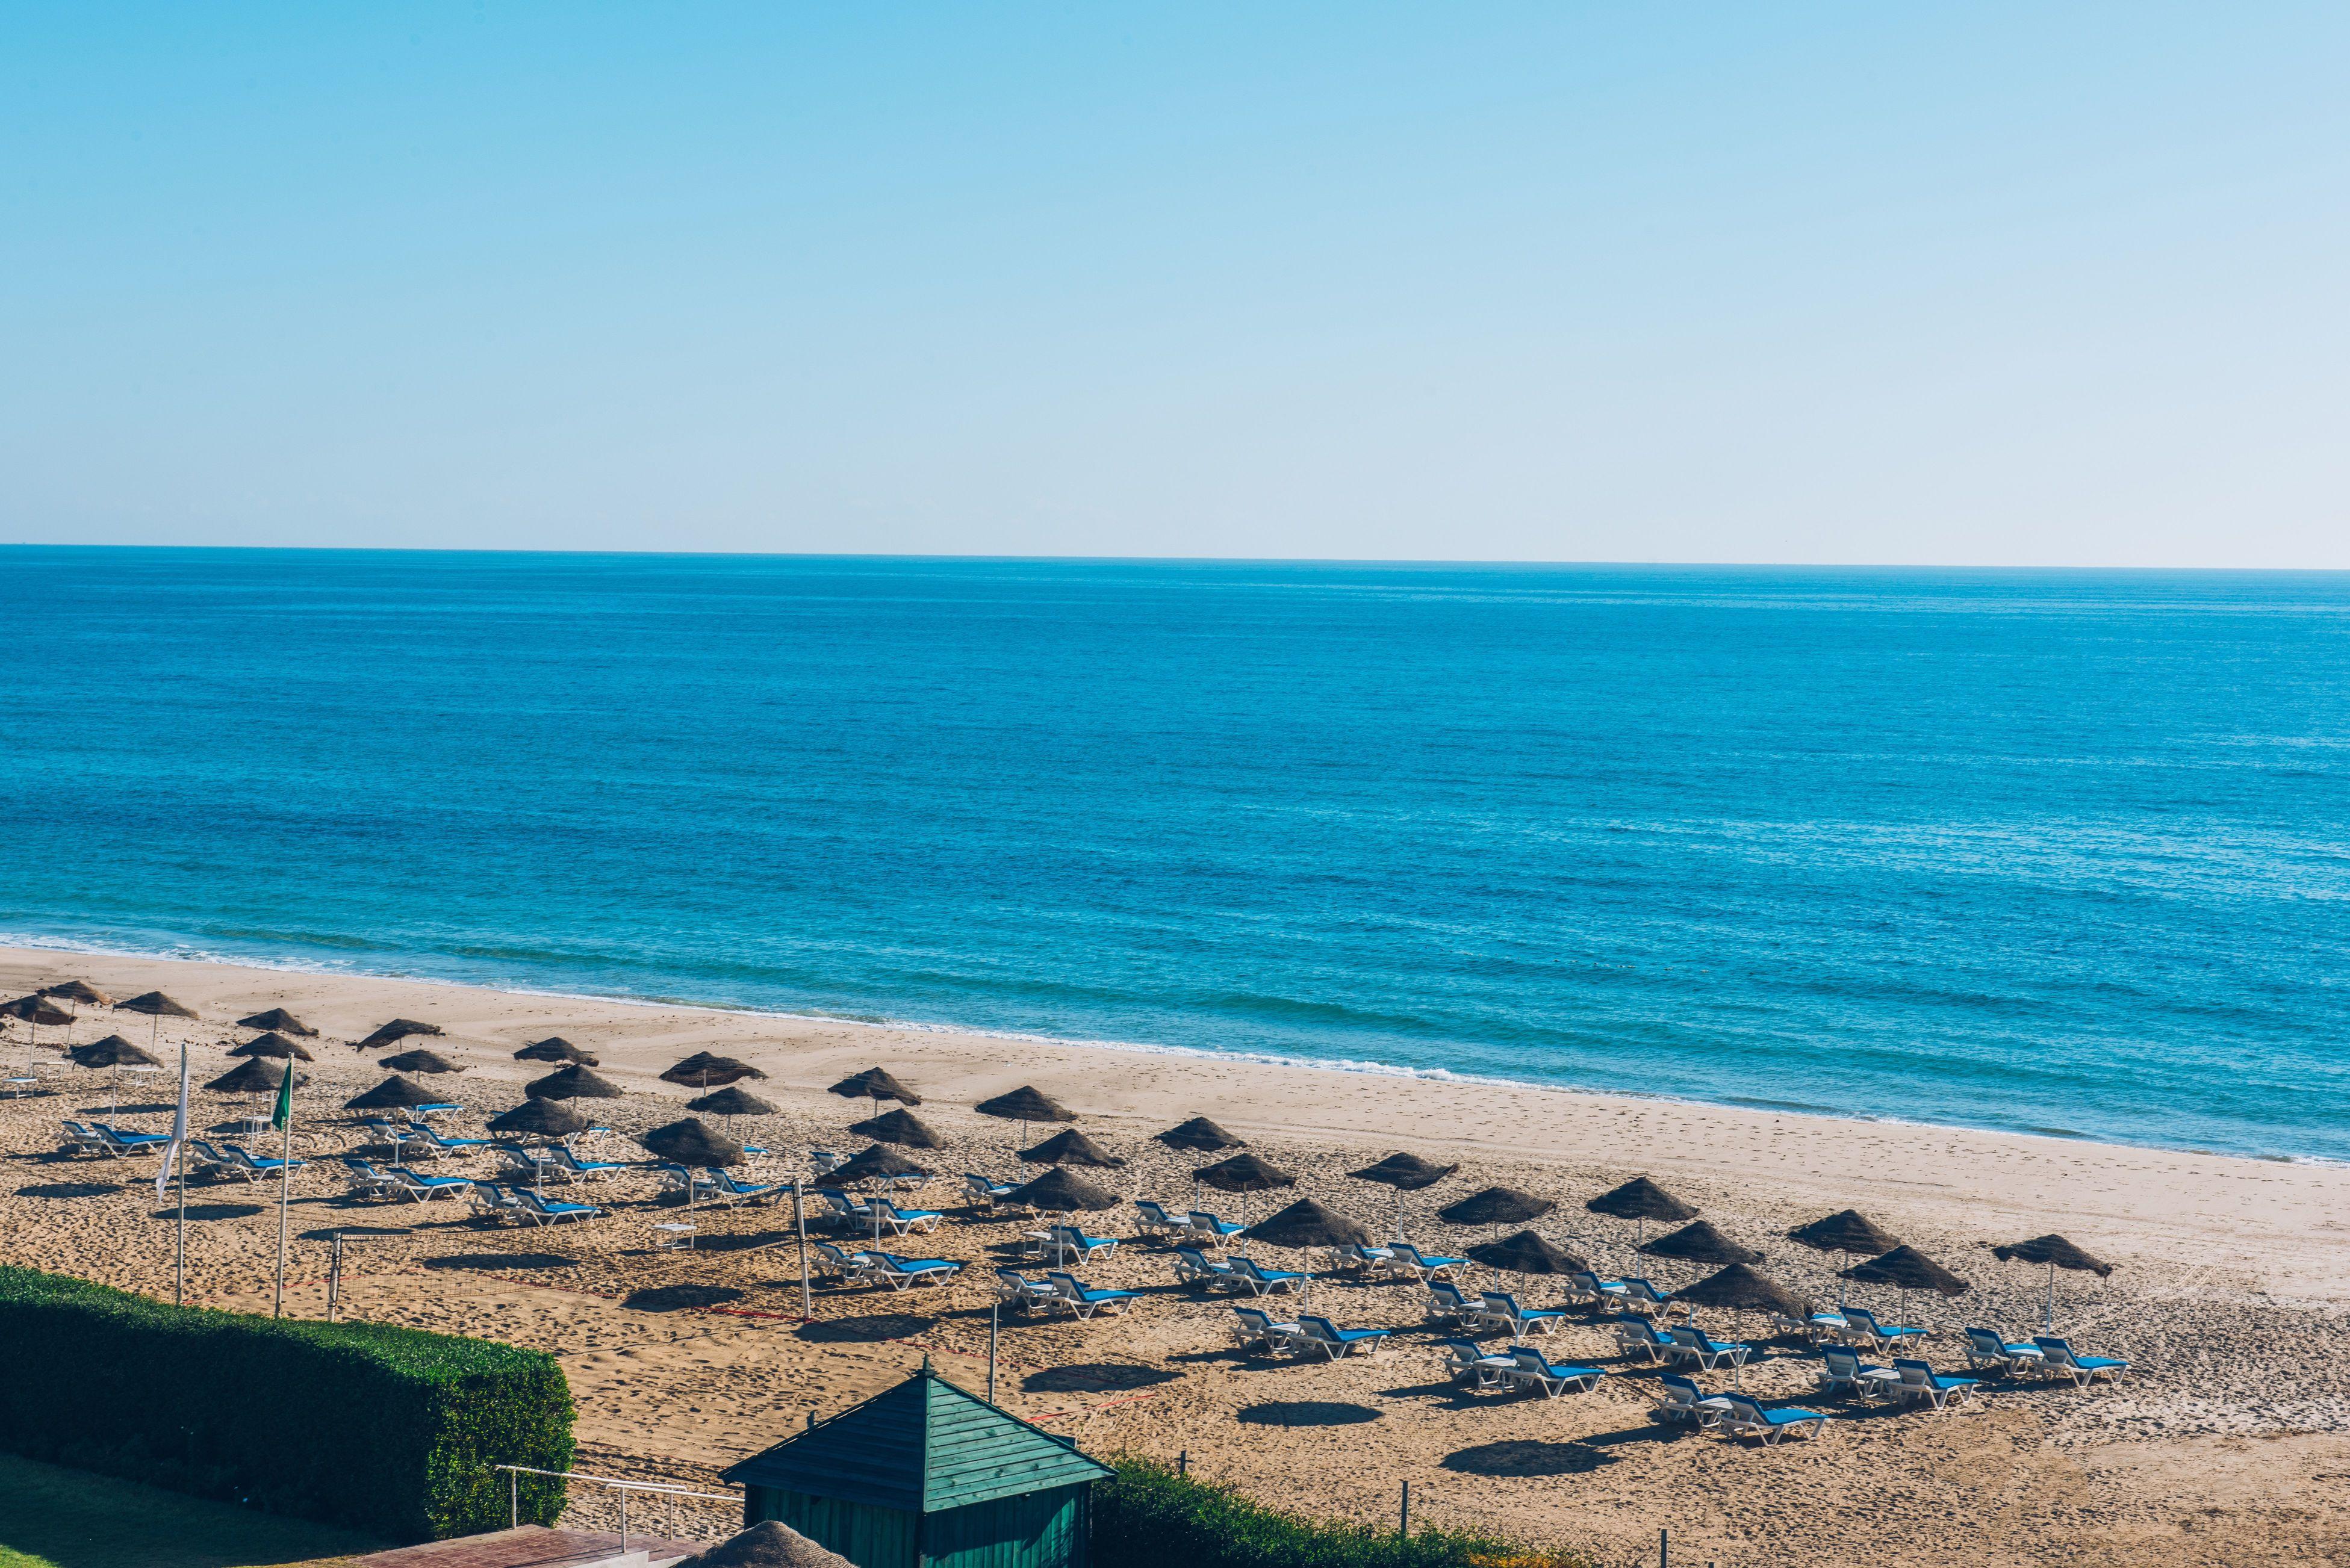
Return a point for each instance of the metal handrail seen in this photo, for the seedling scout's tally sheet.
(664, 1488)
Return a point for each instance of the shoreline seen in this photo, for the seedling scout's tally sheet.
(19, 944)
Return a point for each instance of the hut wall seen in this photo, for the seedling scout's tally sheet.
(868, 1536)
(1035, 1529)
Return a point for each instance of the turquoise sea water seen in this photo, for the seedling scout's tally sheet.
(2061, 852)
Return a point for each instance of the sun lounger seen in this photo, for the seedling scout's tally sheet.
(1213, 1229)
(1321, 1335)
(1018, 1291)
(1842, 1371)
(489, 1200)
(1640, 1336)
(1447, 1304)
(1812, 1330)
(1745, 1419)
(204, 1159)
(1083, 1299)
(432, 1140)
(84, 1139)
(393, 1137)
(1531, 1369)
(2063, 1361)
(530, 1164)
(125, 1141)
(903, 1273)
(1862, 1330)
(1067, 1238)
(366, 1180)
(1253, 1327)
(823, 1161)
(1679, 1399)
(1690, 1343)
(424, 1188)
(1407, 1259)
(1921, 1382)
(253, 1169)
(831, 1258)
(1638, 1292)
(1502, 1309)
(687, 1184)
(1464, 1358)
(841, 1211)
(1590, 1289)
(901, 1221)
(1263, 1281)
(1195, 1267)
(727, 1190)
(1365, 1261)
(575, 1168)
(1153, 1220)
(547, 1211)
(1986, 1348)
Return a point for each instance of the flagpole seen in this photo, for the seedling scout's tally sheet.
(285, 1181)
(180, 1158)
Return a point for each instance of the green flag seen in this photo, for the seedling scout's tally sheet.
(283, 1115)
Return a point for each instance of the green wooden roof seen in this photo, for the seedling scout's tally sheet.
(922, 1446)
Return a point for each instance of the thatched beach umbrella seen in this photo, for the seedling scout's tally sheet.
(1405, 1173)
(1496, 1206)
(1307, 1224)
(156, 1005)
(690, 1143)
(273, 1044)
(1738, 1288)
(1849, 1231)
(280, 1019)
(35, 1010)
(253, 1075)
(1526, 1253)
(770, 1544)
(1062, 1191)
(875, 1085)
(1906, 1269)
(554, 1048)
(705, 1071)
(730, 1103)
(1641, 1200)
(78, 991)
(1071, 1147)
(393, 1032)
(1700, 1243)
(393, 1094)
(422, 1062)
(1244, 1174)
(1024, 1105)
(540, 1119)
(877, 1162)
(2057, 1253)
(574, 1082)
(1198, 1136)
(116, 1053)
(901, 1127)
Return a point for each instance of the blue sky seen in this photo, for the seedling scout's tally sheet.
(1981, 283)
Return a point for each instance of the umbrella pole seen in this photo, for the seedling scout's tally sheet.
(2051, 1319)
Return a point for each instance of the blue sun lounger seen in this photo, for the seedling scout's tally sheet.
(1691, 1344)
(1842, 1371)
(1745, 1419)
(1082, 1298)
(1320, 1333)
(1465, 1358)
(900, 1273)
(1986, 1348)
(1531, 1369)
(1195, 1267)
(1863, 1330)
(1264, 1281)
(2065, 1362)
(1502, 1310)
(1920, 1381)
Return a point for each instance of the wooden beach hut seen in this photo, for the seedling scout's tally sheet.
(927, 1476)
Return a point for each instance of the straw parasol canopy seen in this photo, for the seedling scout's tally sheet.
(280, 1019)
(1642, 1200)
(875, 1085)
(79, 991)
(770, 1544)
(1527, 1253)
(395, 1031)
(1738, 1288)
(1404, 1172)
(1700, 1243)
(572, 1083)
(253, 1075)
(1198, 1136)
(1244, 1173)
(1071, 1146)
(554, 1048)
(1060, 1191)
(691, 1142)
(392, 1095)
(900, 1127)
(876, 1163)
(2055, 1252)
(703, 1071)
(540, 1119)
(1307, 1223)
(1907, 1269)
(272, 1045)
(1846, 1230)
(155, 1005)
(422, 1062)
(1026, 1103)
(730, 1102)
(113, 1051)
(35, 1010)
(1496, 1206)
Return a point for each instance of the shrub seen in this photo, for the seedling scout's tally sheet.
(1146, 1516)
(389, 1431)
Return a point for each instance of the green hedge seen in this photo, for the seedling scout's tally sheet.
(1147, 1516)
(389, 1430)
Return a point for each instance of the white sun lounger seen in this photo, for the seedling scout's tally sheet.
(2063, 1361)
(1744, 1418)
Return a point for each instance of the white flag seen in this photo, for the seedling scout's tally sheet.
(179, 1131)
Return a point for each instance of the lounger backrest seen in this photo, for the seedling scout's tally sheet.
(1681, 1386)
(1319, 1327)
(1913, 1371)
(1986, 1342)
(1841, 1363)
(1861, 1317)
(2053, 1350)
(1254, 1318)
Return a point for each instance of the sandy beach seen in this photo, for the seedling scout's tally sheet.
(2228, 1443)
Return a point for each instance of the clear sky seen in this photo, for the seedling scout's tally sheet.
(2059, 284)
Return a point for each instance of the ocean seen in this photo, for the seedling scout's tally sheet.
(2059, 852)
